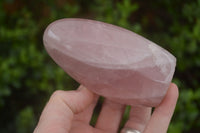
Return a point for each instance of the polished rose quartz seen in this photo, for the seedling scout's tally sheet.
(111, 61)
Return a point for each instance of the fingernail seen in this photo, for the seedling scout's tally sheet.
(81, 87)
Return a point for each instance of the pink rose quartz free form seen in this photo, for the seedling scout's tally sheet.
(111, 61)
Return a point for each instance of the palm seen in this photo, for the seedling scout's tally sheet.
(79, 126)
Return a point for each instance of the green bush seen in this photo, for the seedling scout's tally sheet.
(29, 76)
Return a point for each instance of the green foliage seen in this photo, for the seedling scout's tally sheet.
(117, 13)
(29, 76)
(25, 120)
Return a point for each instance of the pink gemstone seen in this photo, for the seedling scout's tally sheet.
(111, 61)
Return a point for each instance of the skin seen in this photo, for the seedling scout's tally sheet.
(71, 111)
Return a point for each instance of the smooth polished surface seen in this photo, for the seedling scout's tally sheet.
(111, 61)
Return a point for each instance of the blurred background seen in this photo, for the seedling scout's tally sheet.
(28, 76)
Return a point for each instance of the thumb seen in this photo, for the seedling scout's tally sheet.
(59, 111)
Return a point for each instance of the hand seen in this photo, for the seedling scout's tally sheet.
(71, 111)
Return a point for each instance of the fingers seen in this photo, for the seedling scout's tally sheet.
(86, 115)
(138, 118)
(59, 111)
(161, 116)
(110, 116)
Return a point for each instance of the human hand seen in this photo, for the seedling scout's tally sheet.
(71, 111)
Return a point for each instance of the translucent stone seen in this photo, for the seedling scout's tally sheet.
(111, 61)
